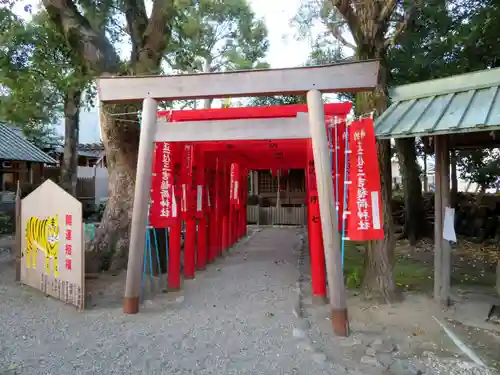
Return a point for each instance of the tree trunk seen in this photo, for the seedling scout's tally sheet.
(120, 134)
(150, 37)
(412, 188)
(207, 103)
(426, 178)
(69, 167)
(378, 276)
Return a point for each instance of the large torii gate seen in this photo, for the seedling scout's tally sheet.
(344, 77)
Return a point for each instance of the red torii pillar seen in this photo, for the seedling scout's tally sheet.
(316, 251)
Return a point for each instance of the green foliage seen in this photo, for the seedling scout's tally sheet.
(480, 166)
(264, 101)
(36, 71)
(446, 37)
(93, 213)
(217, 35)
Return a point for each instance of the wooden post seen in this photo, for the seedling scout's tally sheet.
(19, 230)
(446, 202)
(140, 207)
(328, 213)
(442, 248)
(438, 217)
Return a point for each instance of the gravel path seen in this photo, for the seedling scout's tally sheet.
(235, 318)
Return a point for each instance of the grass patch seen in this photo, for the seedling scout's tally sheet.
(410, 274)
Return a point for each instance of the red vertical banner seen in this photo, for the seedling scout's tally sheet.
(174, 248)
(187, 209)
(232, 210)
(236, 203)
(365, 199)
(186, 181)
(223, 208)
(338, 137)
(163, 212)
(200, 184)
(199, 194)
(315, 233)
(237, 186)
(218, 197)
(211, 178)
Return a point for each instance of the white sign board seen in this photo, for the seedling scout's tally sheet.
(52, 244)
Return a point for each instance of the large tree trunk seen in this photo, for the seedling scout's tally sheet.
(378, 276)
(412, 188)
(121, 140)
(207, 103)
(149, 37)
(369, 22)
(426, 178)
(69, 167)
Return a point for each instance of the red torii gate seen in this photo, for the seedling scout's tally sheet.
(200, 174)
(313, 81)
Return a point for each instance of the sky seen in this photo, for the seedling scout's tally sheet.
(284, 50)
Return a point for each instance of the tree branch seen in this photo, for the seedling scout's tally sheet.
(387, 10)
(337, 34)
(137, 21)
(156, 36)
(94, 50)
(347, 11)
(402, 26)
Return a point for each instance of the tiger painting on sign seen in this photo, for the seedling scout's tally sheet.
(43, 235)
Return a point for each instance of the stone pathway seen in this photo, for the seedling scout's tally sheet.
(237, 317)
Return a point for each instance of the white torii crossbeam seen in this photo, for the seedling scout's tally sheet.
(345, 77)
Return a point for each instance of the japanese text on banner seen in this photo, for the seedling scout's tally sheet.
(187, 181)
(365, 204)
(163, 210)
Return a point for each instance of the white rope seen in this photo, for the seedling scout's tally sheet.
(125, 113)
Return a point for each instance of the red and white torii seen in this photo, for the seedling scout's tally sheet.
(290, 130)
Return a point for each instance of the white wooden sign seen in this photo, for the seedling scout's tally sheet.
(52, 244)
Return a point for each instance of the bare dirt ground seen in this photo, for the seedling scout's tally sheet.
(410, 326)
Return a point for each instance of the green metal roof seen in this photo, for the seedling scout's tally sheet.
(459, 104)
(15, 147)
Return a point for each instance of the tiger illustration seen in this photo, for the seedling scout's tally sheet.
(43, 235)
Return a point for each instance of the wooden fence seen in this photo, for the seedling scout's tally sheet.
(85, 186)
(277, 215)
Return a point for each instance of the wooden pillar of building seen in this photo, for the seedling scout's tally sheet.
(442, 248)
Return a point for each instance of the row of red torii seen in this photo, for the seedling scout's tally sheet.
(200, 160)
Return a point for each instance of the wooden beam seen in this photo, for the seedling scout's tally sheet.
(345, 77)
(233, 130)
